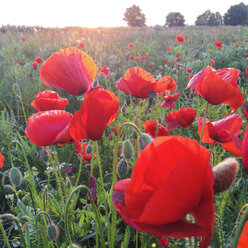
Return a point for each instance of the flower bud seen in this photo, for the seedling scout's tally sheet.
(52, 232)
(135, 136)
(123, 109)
(44, 155)
(8, 189)
(95, 83)
(15, 176)
(174, 71)
(144, 140)
(89, 149)
(127, 149)
(122, 168)
(224, 174)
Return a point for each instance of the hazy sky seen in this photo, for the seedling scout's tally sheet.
(103, 13)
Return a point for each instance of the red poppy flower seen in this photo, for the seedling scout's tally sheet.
(244, 150)
(49, 127)
(48, 100)
(166, 42)
(180, 38)
(38, 60)
(218, 87)
(165, 61)
(1, 160)
(150, 128)
(218, 44)
(183, 117)
(224, 131)
(243, 238)
(132, 57)
(130, 45)
(151, 65)
(138, 83)
(212, 61)
(168, 49)
(247, 71)
(99, 109)
(188, 70)
(246, 55)
(104, 71)
(168, 103)
(190, 76)
(245, 109)
(142, 57)
(23, 39)
(155, 199)
(34, 65)
(81, 44)
(71, 70)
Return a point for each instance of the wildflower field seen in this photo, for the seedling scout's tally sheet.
(124, 137)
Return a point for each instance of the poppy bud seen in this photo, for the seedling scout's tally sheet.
(15, 176)
(224, 174)
(89, 149)
(123, 109)
(52, 232)
(144, 140)
(135, 136)
(44, 155)
(8, 189)
(122, 168)
(127, 149)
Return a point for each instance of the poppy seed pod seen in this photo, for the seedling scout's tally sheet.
(144, 140)
(122, 168)
(44, 155)
(127, 149)
(15, 176)
(135, 134)
(123, 109)
(52, 232)
(224, 174)
(8, 189)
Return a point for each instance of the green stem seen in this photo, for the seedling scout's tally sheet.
(204, 122)
(240, 228)
(56, 177)
(137, 240)
(97, 218)
(11, 216)
(4, 235)
(80, 166)
(59, 171)
(114, 179)
(103, 189)
(142, 240)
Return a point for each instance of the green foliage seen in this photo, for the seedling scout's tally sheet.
(236, 15)
(209, 19)
(175, 19)
(134, 17)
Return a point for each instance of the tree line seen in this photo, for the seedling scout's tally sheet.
(235, 15)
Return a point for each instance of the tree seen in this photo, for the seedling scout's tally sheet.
(236, 15)
(134, 17)
(209, 19)
(175, 19)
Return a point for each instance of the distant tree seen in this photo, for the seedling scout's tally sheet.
(134, 17)
(209, 19)
(236, 15)
(174, 19)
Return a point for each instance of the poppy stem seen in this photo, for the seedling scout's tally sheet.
(114, 179)
(240, 228)
(103, 189)
(204, 122)
(16, 220)
(4, 235)
(80, 166)
(97, 218)
(92, 159)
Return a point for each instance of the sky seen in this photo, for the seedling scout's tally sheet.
(102, 13)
